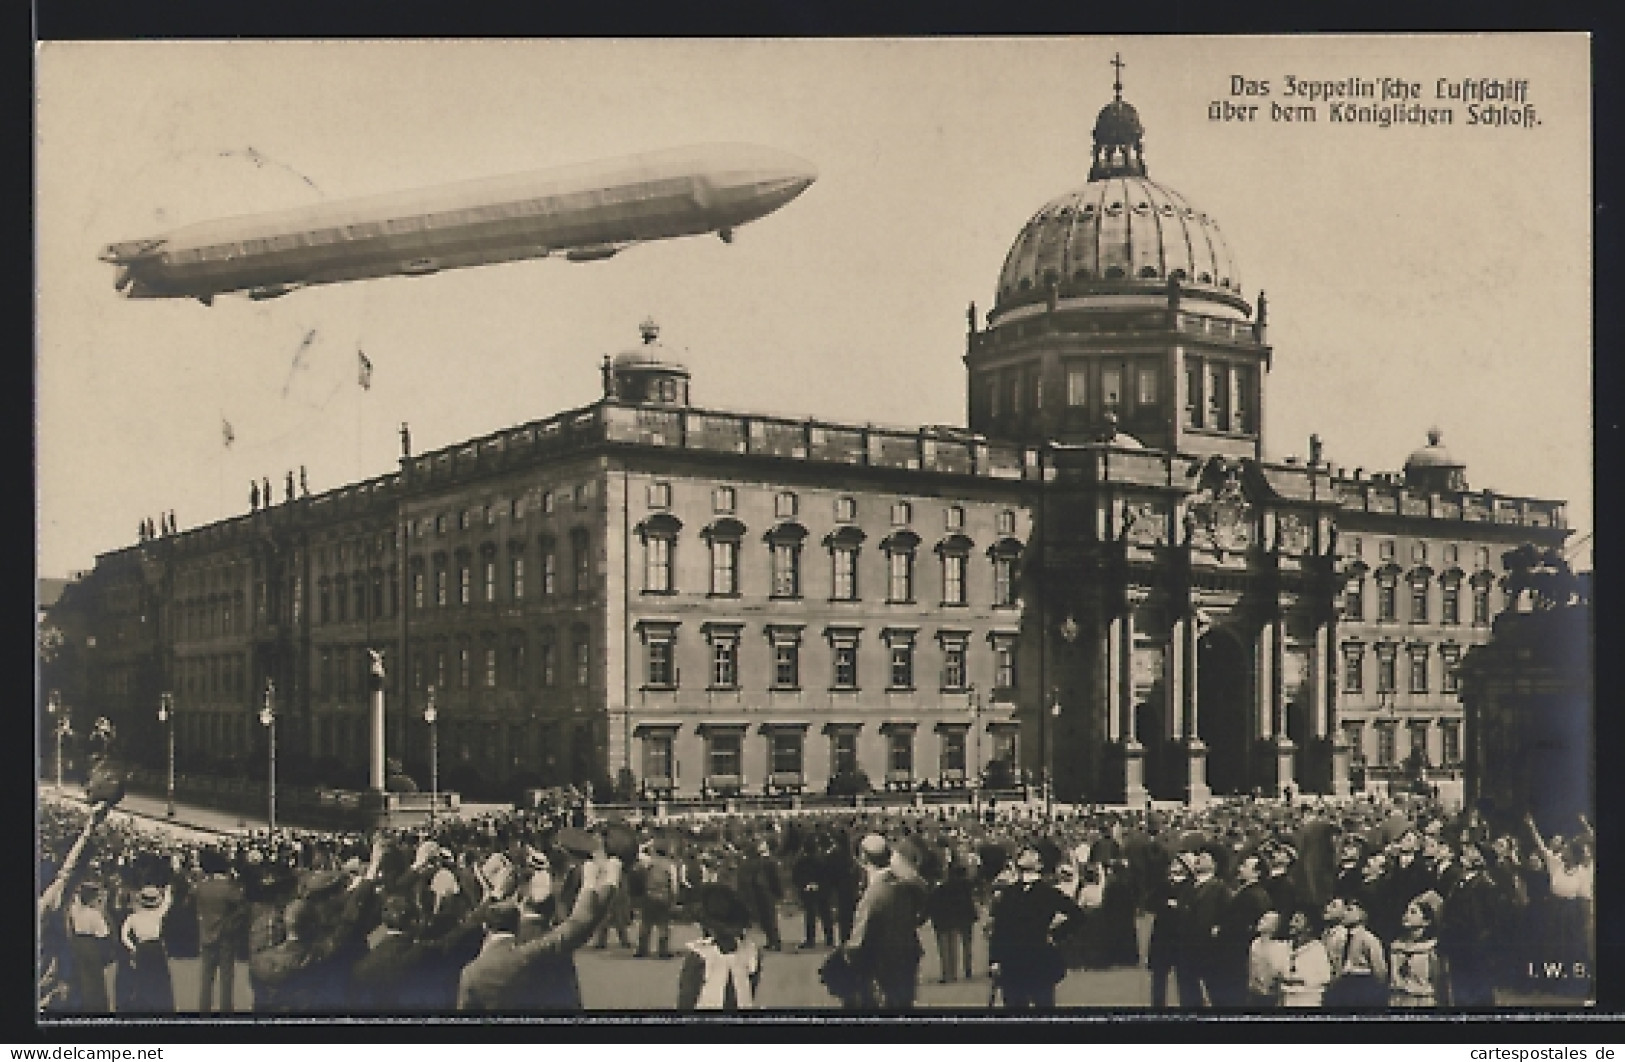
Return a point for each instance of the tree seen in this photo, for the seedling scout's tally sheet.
(1544, 573)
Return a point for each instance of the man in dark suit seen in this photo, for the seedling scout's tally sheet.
(1467, 934)
(1241, 914)
(1282, 882)
(760, 889)
(884, 945)
(808, 877)
(494, 979)
(1198, 975)
(222, 914)
(1024, 962)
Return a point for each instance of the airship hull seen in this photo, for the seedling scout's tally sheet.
(585, 212)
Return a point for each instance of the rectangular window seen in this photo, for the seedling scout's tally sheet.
(1077, 387)
(1450, 603)
(1419, 601)
(490, 580)
(955, 517)
(722, 500)
(1004, 666)
(846, 666)
(1386, 549)
(550, 573)
(660, 662)
(785, 746)
(1241, 414)
(1004, 582)
(1007, 522)
(417, 589)
(902, 667)
(1353, 669)
(953, 578)
(516, 665)
(901, 513)
(440, 669)
(1354, 600)
(583, 658)
(900, 756)
(1450, 742)
(953, 754)
(657, 565)
(1452, 669)
(1218, 384)
(846, 510)
(1387, 745)
(548, 501)
(724, 567)
(953, 665)
(845, 559)
(784, 506)
(1111, 388)
(1419, 743)
(464, 584)
(465, 665)
(1354, 734)
(659, 495)
(1481, 606)
(900, 572)
(1387, 677)
(843, 753)
(657, 759)
(1148, 386)
(725, 663)
(516, 578)
(490, 669)
(1004, 747)
(786, 665)
(786, 569)
(1387, 599)
(549, 664)
(724, 755)
(583, 564)
(1419, 669)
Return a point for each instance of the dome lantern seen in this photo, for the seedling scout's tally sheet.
(1118, 135)
(650, 373)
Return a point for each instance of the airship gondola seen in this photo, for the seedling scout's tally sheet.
(587, 212)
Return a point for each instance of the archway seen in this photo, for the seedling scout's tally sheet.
(1223, 688)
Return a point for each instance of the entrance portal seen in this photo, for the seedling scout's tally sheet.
(1223, 691)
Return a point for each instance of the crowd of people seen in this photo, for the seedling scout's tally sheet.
(1250, 904)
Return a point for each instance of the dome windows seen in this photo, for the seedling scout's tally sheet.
(1148, 272)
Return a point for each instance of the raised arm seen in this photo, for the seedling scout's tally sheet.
(590, 905)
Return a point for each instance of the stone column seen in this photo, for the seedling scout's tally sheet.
(1197, 792)
(376, 760)
(1114, 680)
(1134, 792)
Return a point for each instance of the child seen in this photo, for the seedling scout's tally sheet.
(1267, 959)
(723, 969)
(1309, 969)
(1413, 980)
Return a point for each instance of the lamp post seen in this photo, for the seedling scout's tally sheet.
(974, 700)
(63, 728)
(268, 720)
(430, 715)
(166, 715)
(1049, 750)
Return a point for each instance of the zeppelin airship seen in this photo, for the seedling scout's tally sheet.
(583, 213)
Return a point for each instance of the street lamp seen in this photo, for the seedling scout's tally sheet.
(268, 720)
(1049, 749)
(975, 701)
(429, 716)
(166, 714)
(63, 728)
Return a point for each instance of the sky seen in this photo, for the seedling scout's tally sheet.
(1417, 277)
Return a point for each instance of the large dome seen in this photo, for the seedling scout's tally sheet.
(1121, 232)
(1117, 228)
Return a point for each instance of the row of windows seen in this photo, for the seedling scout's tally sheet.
(659, 558)
(786, 755)
(1387, 657)
(786, 506)
(1387, 750)
(487, 581)
(1388, 549)
(1120, 385)
(489, 665)
(724, 649)
(1420, 597)
(210, 617)
(343, 598)
(368, 549)
(518, 507)
(200, 678)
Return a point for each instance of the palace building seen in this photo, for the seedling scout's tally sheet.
(1099, 583)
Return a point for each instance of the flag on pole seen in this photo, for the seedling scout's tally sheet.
(226, 434)
(363, 370)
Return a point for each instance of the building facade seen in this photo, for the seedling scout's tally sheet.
(1099, 584)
